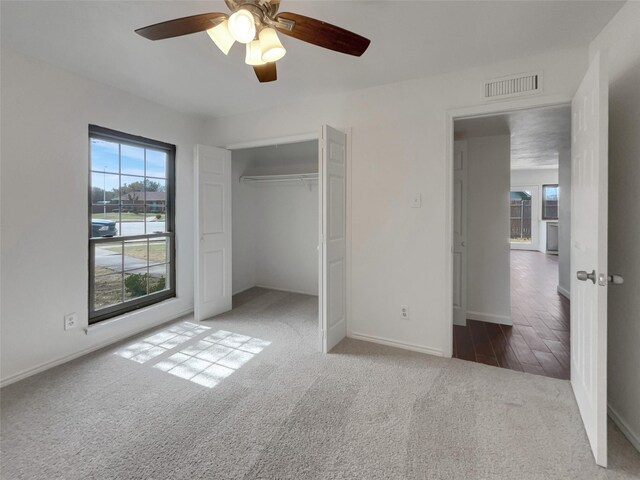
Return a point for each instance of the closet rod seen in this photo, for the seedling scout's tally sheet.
(304, 178)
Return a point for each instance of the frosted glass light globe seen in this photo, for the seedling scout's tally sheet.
(242, 26)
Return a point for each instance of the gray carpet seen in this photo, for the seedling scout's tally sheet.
(247, 396)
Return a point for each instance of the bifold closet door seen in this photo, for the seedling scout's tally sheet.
(213, 232)
(333, 264)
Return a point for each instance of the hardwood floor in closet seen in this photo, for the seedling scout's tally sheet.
(538, 341)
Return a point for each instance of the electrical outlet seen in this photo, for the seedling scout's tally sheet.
(404, 312)
(70, 321)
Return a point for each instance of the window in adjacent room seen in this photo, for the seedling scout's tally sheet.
(520, 220)
(550, 202)
(131, 222)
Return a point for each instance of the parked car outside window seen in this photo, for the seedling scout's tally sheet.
(103, 228)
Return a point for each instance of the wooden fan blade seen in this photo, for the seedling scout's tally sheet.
(324, 34)
(266, 72)
(181, 26)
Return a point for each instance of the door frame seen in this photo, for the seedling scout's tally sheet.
(475, 111)
(304, 137)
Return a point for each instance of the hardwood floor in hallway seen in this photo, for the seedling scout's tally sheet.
(538, 341)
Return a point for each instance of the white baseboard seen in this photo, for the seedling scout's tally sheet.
(67, 358)
(242, 290)
(633, 438)
(489, 317)
(564, 292)
(462, 323)
(289, 290)
(394, 343)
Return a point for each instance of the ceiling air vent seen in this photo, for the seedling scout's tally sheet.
(513, 86)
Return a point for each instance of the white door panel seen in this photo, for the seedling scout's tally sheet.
(213, 232)
(589, 176)
(460, 233)
(333, 235)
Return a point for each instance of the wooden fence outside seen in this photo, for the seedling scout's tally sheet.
(521, 220)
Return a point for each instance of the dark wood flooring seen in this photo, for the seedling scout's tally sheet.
(538, 341)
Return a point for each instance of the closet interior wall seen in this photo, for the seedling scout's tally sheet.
(275, 223)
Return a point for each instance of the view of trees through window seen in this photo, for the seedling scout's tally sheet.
(131, 235)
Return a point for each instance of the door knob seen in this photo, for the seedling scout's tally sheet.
(584, 276)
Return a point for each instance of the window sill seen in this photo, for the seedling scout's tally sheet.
(111, 322)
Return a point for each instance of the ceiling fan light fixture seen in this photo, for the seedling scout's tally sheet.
(242, 26)
(222, 37)
(254, 54)
(272, 49)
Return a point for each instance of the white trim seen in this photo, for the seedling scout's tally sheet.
(489, 317)
(128, 317)
(481, 110)
(461, 323)
(536, 167)
(242, 290)
(564, 292)
(508, 106)
(633, 438)
(394, 343)
(288, 290)
(67, 358)
(267, 142)
(348, 207)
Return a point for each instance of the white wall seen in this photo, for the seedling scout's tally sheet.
(537, 177)
(244, 236)
(622, 39)
(45, 118)
(287, 237)
(543, 176)
(399, 255)
(564, 223)
(488, 252)
(275, 225)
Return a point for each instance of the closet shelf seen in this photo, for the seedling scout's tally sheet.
(304, 178)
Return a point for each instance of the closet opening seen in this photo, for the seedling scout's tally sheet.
(275, 241)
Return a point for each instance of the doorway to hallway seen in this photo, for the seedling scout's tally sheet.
(538, 341)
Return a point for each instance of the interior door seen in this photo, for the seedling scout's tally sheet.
(333, 158)
(589, 172)
(460, 233)
(213, 232)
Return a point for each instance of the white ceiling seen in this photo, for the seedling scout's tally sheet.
(410, 39)
(537, 134)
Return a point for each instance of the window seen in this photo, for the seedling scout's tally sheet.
(131, 222)
(520, 205)
(550, 202)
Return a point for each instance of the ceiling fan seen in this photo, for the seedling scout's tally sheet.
(254, 23)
